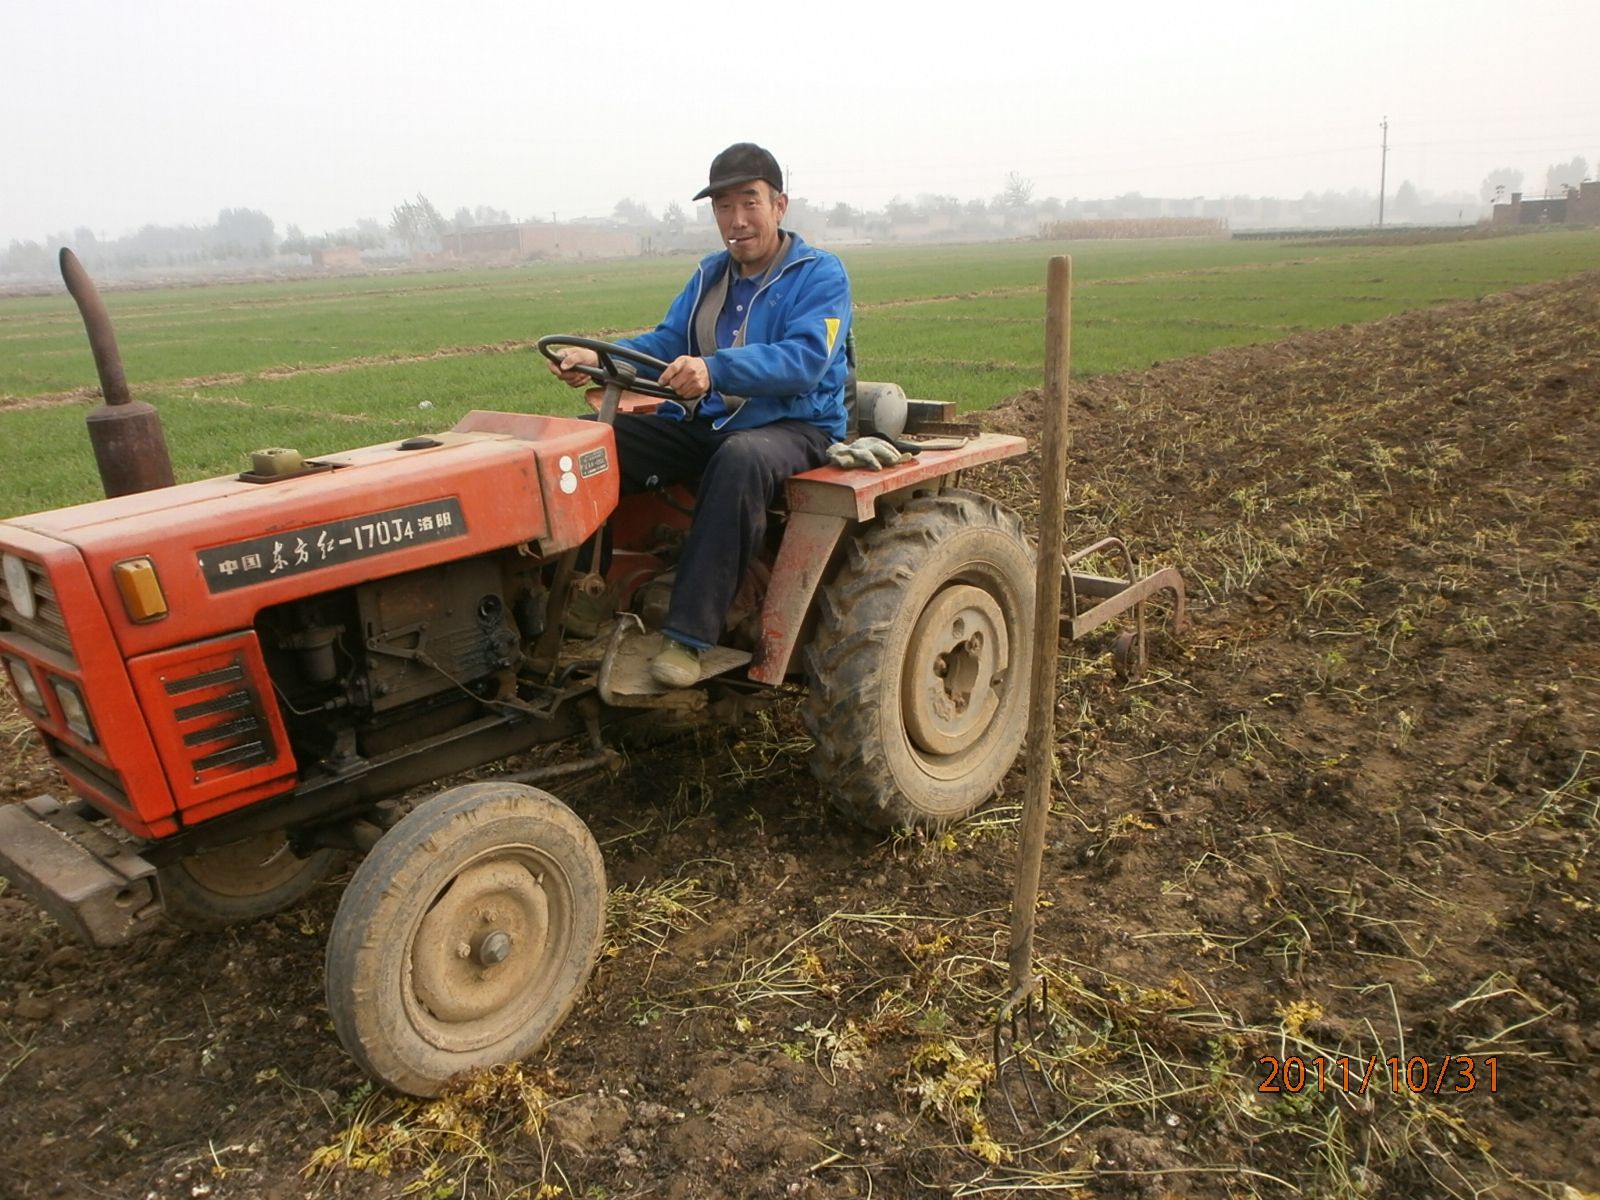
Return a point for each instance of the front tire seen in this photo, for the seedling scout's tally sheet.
(918, 670)
(242, 881)
(466, 936)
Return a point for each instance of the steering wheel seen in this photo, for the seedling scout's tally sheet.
(607, 372)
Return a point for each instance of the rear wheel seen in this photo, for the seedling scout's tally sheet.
(242, 881)
(466, 936)
(918, 669)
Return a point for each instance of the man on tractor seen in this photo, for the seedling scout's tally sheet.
(755, 351)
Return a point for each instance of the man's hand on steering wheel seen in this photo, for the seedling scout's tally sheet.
(686, 375)
(574, 356)
(580, 360)
(690, 377)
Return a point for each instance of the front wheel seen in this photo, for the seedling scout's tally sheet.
(242, 881)
(466, 936)
(918, 670)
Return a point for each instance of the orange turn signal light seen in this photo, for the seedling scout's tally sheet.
(140, 589)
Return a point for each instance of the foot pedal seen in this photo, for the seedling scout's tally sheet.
(625, 680)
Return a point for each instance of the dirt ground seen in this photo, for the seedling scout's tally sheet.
(1350, 816)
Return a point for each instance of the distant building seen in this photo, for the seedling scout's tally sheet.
(1583, 205)
(1580, 206)
(336, 258)
(514, 243)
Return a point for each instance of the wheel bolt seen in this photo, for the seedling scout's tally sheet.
(463, 950)
(975, 643)
(495, 948)
(941, 665)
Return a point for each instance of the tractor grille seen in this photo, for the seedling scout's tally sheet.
(218, 714)
(107, 782)
(47, 627)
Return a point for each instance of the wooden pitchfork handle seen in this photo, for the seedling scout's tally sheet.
(1040, 746)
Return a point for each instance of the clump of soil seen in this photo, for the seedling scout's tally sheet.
(1349, 816)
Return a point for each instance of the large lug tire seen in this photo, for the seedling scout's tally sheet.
(918, 670)
(242, 881)
(466, 936)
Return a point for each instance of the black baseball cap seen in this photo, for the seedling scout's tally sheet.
(740, 163)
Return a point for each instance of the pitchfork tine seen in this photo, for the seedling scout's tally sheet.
(999, 1074)
(1023, 1072)
(1048, 1034)
(1022, 1033)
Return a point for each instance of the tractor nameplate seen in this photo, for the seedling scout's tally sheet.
(297, 551)
(592, 462)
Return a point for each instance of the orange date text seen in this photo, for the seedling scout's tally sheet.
(1449, 1073)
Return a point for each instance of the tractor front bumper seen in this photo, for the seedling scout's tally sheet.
(94, 885)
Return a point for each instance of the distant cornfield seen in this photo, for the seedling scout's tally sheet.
(1134, 227)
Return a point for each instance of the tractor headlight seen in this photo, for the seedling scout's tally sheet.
(20, 587)
(23, 682)
(73, 708)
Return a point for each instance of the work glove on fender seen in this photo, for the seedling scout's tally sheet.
(869, 452)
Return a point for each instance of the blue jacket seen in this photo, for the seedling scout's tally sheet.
(793, 362)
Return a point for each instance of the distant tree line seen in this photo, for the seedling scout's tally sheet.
(365, 234)
(239, 234)
(1014, 209)
(1119, 228)
(1500, 184)
(240, 237)
(246, 235)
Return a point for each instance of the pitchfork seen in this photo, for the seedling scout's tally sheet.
(1028, 1005)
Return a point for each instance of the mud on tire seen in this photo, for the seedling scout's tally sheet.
(918, 669)
(466, 936)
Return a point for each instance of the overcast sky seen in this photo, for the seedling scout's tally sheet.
(119, 113)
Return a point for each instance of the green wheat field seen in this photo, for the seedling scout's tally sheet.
(325, 364)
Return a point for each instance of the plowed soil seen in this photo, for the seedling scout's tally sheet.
(1347, 821)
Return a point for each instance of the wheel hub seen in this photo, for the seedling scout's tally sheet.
(954, 669)
(494, 949)
(482, 944)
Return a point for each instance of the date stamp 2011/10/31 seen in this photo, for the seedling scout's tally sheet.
(1449, 1074)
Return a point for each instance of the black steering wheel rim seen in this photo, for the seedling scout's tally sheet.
(607, 373)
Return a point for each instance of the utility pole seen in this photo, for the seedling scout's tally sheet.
(1383, 170)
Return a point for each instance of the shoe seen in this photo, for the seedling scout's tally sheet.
(676, 665)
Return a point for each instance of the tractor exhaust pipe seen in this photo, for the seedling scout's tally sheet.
(130, 448)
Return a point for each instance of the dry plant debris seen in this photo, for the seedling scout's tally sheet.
(1341, 839)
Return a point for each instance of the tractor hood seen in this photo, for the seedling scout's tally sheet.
(223, 549)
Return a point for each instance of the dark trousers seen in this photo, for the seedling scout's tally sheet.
(741, 475)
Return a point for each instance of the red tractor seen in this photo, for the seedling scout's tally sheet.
(237, 677)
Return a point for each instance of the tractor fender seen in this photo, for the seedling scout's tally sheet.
(826, 504)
